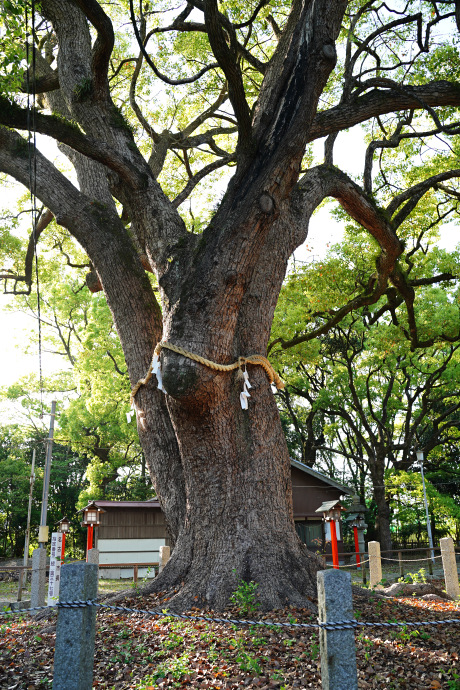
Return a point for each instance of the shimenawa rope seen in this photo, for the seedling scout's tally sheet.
(259, 360)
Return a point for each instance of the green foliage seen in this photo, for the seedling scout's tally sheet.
(245, 596)
(93, 386)
(12, 45)
(66, 482)
(413, 578)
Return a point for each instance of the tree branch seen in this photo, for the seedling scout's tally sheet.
(67, 133)
(43, 222)
(103, 45)
(148, 59)
(381, 101)
(226, 56)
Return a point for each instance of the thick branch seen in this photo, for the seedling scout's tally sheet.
(63, 131)
(227, 58)
(103, 45)
(381, 101)
(43, 222)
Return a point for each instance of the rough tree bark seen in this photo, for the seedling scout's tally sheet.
(221, 473)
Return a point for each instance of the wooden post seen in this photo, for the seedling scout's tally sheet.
(135, 573)
(401, 565)
(449, 563)
(358, 560)
(89, 540)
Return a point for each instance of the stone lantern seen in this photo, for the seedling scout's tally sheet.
(355, 518)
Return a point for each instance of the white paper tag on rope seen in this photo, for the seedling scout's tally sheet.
(274, 388)
(246, 379)
(156, 369)
(244, 400)
(130, 414)
(244, 395)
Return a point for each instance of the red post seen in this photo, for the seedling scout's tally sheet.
(358, 559)
(335, 551)
(63, 547)
(89, 543)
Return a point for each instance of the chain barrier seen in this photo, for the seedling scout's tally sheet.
(336, 625)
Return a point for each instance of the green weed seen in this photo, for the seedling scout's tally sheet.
(245, 596)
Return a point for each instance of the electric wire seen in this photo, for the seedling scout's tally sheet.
(32, 147)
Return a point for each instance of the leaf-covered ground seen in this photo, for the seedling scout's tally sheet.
(136, 653)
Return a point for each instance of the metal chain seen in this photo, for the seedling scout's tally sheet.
(335, 625)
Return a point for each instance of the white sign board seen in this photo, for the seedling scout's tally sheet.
(328, 534)
(55, 568)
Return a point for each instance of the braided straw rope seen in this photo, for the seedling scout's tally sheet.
(260, 360)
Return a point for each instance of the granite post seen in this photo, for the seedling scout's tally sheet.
(165, 552)
(38, 582)
(375, 565)
(75, 629)
(338, 654)
(93, 556)
(449, 565)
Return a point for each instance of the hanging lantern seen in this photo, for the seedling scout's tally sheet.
(91, 519)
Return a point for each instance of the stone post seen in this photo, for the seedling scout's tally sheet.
(75, 629)
(375, 565)
(38, 583)
(449, 564)
(338, 654)
(165, 552)
(93, 556)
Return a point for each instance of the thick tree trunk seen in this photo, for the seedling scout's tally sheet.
(238, 521)
(383, 508)
(235, 463)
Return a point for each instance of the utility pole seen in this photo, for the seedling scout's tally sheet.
(43, 531)
(420, 458)
(27, 537)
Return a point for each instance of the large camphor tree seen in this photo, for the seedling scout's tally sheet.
(249, 86)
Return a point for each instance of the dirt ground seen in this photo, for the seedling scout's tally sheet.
(134, 652)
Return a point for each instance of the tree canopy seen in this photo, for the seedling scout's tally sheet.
(149, 105)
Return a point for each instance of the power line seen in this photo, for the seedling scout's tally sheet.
(32, 147)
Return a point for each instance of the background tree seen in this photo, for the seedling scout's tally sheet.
(67, 481)
(248, 87)
(374, 399)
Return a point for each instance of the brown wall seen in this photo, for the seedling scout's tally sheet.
(133, 523)
(308, 493)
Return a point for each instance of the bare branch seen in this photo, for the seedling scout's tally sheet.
(415, 193)
(381, 101)
(148, 59)
(192, 183)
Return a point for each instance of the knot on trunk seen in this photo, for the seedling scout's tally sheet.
(266, 203)
(329, 51)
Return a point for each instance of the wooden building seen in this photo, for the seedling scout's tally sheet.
(133, 531)
(310, 489)
(130, 532)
